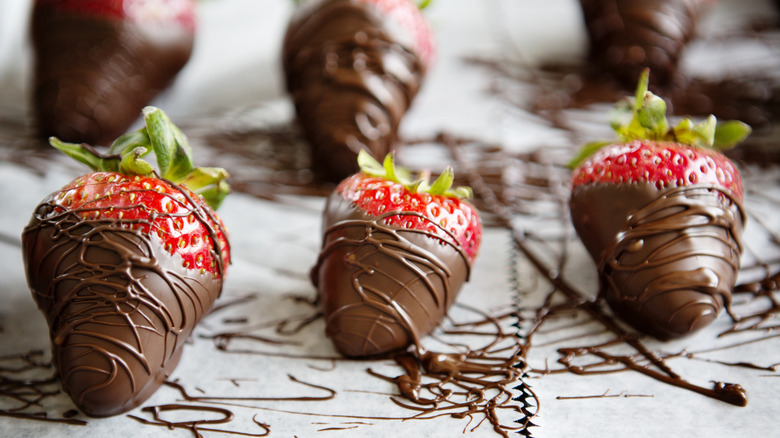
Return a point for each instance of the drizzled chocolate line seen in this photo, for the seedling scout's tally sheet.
(384, 287)
(670, 269)
(605, 394)
(26, 392)
(351, 82)
(119, 308)
(331, 393)
(195, 425)
(730, 393)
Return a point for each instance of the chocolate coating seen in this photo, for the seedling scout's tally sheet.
(92, 76)
(381, 287)
(351, 80)
(668, 260)
(119, 307)
(627, 36)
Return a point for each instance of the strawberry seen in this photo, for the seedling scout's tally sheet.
(395, 254)
(99, 62)
(124, 262)
(660, 211)
(353, 68)
(627, 36)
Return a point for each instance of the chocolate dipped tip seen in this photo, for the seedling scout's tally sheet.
(351, 82)
(92, 76)
(118, 306)
(383, 288)
(123, 262)
(627, 36)
(670, 267)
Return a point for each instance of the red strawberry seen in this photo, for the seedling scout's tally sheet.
(124, 263)
(661, 213)
(353, 68)
(394, 256)
(99, 62)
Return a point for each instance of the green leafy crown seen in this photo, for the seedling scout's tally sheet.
(643, 117)
(171, 149)
(388, 170)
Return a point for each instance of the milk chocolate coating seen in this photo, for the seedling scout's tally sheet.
(383, 288)
(668, 260)
(627, 36)
(92, 76)
(118, 306)
(351, 81)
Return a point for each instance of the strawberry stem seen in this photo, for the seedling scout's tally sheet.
(388, 170)
(644, 118)
(172, 152)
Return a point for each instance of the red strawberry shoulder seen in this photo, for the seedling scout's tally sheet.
(437, 209)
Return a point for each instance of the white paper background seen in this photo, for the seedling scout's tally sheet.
(236, 66)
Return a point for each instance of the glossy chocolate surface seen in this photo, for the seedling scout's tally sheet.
(668, 260)
(383, 288)
(118, 305)
(627, 36)
(351, 81)
(93, 76)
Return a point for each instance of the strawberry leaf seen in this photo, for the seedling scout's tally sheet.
(130, 141)
(588, 150)
(729, 134)
(443, 183)
(131, 164)
(369, 165)
(170, 146)
(86, 154)
(643, 117)
(388, 170)
(209, 183)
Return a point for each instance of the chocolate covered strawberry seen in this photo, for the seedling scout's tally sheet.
(124, 262)
(660, 211)
(353, 68)
(395, 254)
(627, 36)
(99, 62)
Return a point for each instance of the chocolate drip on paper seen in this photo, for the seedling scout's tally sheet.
(669, 269)
(627, 36)
(351, 81)
(26, 393)
(382, 287)
(93, 76)
(118, 305)
(566, 298)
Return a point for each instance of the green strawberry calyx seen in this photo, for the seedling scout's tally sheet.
(388, 170)
(171, 150)
(643, 117)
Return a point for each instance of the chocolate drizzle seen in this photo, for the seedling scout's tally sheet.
(670, 267)
(118, 306)
(351, 80)
(383, 287)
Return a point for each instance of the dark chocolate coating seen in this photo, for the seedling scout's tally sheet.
(351, 82)
(627, 36)
(668, 260)
(119, 306)
(383, 288)
(93, 76)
